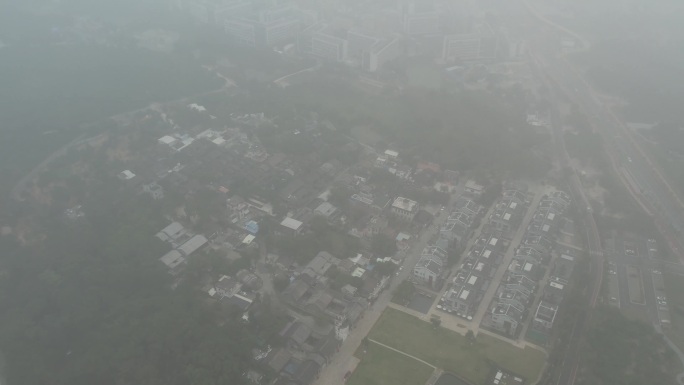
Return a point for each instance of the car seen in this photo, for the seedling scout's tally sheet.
(613, 299)
(611, 272)
(629, 159)
(657, 271)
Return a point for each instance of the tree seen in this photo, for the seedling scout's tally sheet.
(383, 245)
(404, 292)
(470, 336)
(436, 321)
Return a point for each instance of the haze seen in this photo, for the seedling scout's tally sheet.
(298, 192)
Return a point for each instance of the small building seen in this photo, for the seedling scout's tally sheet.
(126, 175)
(405, 208)
(326, 210)
(545, 315)
(174, 260)
(192, 245)
(391, 154)
(291, 226)
(473, 188)
(155, 190)
(506, 318)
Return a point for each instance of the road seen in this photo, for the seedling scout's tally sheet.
(333, 374)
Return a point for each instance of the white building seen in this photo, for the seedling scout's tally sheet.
(405, 208)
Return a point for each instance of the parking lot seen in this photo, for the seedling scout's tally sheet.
(635, 283)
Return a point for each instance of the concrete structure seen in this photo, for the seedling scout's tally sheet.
(326, 210)
(323, 42)
(430, 266)
(291, 225)
(174, 261)
(481, 44)
(405, 208)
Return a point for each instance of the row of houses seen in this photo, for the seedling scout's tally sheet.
(461, 222)
(515, 296)
(467, 288)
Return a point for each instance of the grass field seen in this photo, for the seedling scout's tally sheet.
(382, 366)
(452, 352)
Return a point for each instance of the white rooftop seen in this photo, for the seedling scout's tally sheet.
(487, 253)
(358, 272)
(405, 204)
(507, 216)
(472, 185)
(291, 223)
(527, 266)
(172, 259)
(464, 294)
(166, 139)
(248, 239)
(391, 153)
(472, 280)
(513, 205)
(127, 174)
(193, 244)
(493, 241)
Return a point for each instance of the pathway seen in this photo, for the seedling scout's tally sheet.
(402, 353)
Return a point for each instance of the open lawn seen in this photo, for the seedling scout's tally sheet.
(382, 366)
(451, 351)
(674, 291)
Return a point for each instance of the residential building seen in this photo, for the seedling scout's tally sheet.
(467, 206)
(507, 216)
(473, 188)
(430, 266)
(538, 242)
(458, 227)
(506, 318)
(174, 261)
(520, 283)
(421, 18)
(291, 226)
(326, 210)
(545, 315)
(405, 208)
(155, 190)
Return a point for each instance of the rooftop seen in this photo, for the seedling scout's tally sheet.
(405, 204)
(291, 223)
(193, 244)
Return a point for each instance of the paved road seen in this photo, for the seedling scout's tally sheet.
(344, 360)
(403, 353)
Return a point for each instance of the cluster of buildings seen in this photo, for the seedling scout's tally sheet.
(366, 36)
(535, 271)
(467, 288)
(321, 312)
(184, 244)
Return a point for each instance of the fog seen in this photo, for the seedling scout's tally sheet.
(279, 192)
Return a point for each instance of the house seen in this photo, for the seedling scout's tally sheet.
(514, 297)
(126, 175)
(544, 316)
(174, 260)
(506, 318)
(391, 154)
(430, 265)
(192, 245)
(225, 287)
(291, 226)
(520, 283)
(507, 216)
(528, 254)
(539, 242)
(405, 208)
(326, 210)
(521, 267)
(474, 189)
(465, 294)
(320, 264)
(458, 227)
(155, 190)
(467, 206)
(295, 334)
(174, 233)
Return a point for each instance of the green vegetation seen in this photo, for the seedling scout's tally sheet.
(453, 352)
(382, 366)
(472, 130)
(92, 304)
(51, 92)
(621, 351)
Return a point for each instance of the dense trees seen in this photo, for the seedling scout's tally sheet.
(91, 304)
(621, 351)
